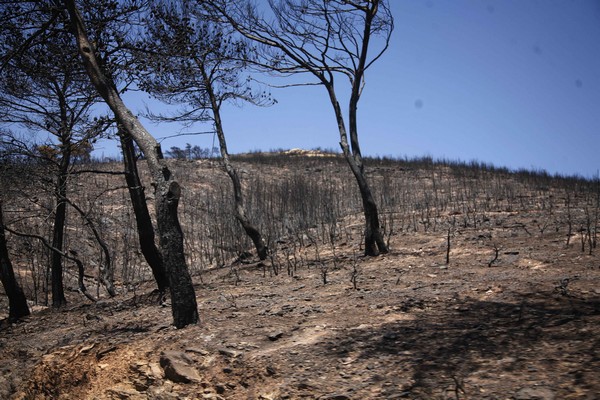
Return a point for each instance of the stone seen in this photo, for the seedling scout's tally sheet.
(195, 350)
(177, 368)
(211, 396)
(230, 353)
(273, 336)
(125, 394)
(220, 389)
(270, 370)
(335, 396)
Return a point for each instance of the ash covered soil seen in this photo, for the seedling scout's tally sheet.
(526, 327)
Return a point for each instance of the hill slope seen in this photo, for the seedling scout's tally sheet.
(514, 314)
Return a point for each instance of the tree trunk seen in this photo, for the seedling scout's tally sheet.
(240, 212)
(374, 242)
(171, 242)
(145, 229)
(167, 190)
(60, 216)
(17, 304)
(238, 197)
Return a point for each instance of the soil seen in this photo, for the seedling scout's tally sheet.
(525, 326)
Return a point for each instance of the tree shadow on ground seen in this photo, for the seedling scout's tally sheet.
(484, 349)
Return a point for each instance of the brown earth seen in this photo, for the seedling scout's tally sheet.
(526, 327)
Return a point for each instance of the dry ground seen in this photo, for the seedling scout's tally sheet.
(528, 327)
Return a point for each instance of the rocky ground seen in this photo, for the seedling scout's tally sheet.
(525, 326)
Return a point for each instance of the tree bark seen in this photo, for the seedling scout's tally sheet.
(240, 211)
(171, 242)
(60, 216)
(167, 190)
(17, 303)
(143, 221)
(374, 242)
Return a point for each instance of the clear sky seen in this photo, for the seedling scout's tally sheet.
(515, 83)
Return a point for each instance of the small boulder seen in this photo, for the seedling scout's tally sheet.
(177, 367)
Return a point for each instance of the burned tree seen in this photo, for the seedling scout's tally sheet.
(17, 303)
(167, 189)
(44, 92)
(145, 229)
(324, 39)
(187, 59)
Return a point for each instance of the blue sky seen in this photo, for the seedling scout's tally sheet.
(515, 83)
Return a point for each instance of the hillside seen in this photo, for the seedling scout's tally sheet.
(490, 290)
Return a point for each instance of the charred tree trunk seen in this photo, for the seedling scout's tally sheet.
(60, 216)
(240, 212)
(238, 197)
(143, 221)
(167, 190)
(374, 242)
(17, 303)
(171, 242)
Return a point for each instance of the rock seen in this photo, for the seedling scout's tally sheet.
(305, 385)
(162, 392)
(141, 384)
(335, 396)
(147, 373)
(270, 370)
(125, 394)
(535, 393)
(211, 396)
(155, 371)
(273, 336)
(177, 368)
(230, 353)
(220, 389)
(195, 350)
